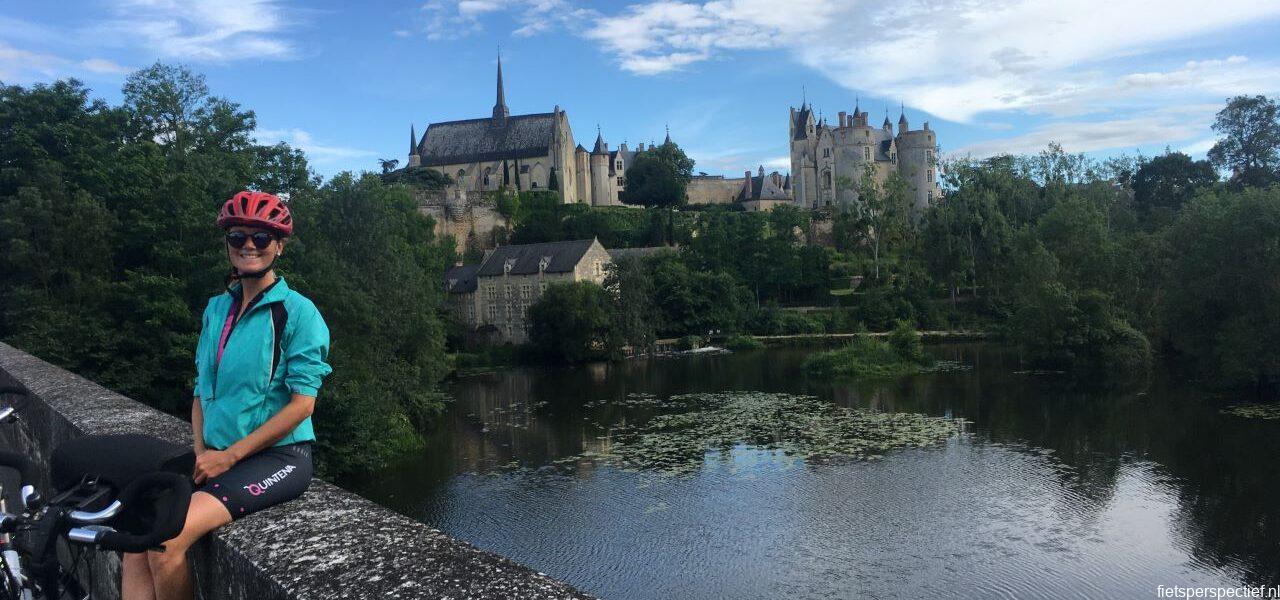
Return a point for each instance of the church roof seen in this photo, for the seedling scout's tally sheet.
(475, 140)
(562, 257)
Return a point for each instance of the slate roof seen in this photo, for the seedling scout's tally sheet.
(562, 258)
(802, 117)
(475, 140)
(461, 279)
(763, 187)
(628, 157)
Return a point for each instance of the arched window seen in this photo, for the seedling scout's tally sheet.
(826, 180)
(486, 176)
(462, 173)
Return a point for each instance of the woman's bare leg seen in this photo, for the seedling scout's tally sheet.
(170, 569)
(135, 580)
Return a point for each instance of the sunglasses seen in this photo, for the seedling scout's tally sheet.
(261, 239)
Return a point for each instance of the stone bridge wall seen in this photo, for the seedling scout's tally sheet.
(329, 543)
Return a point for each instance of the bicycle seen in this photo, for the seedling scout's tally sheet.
(123, 493)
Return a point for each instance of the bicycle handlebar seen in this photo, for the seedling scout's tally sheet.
(170, 516)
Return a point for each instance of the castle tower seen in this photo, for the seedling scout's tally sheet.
(414, 159)
(917, 164)
(582, 164)
(500, 112)
(600, 190)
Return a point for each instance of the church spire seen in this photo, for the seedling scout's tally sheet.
(413, 140)
(668, 140)
(500, 112)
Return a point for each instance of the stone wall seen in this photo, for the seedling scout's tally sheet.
(329, 543)
(713, 189)
(462, 214)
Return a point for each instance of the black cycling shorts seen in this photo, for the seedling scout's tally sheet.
(277, 474)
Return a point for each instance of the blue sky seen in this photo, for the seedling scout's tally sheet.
(344, 80)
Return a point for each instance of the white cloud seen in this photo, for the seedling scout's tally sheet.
(18, 65)
(200, 30)
(453, 19)
(1117, 134)
(102, 65)
(952, 58)
(778, 162)
(1199, 148)
(316, 152)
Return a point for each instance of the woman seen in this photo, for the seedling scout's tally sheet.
(254, 394)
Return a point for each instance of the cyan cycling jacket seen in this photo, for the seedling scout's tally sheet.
(237, 391)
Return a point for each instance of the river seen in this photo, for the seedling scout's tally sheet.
(1052, 490)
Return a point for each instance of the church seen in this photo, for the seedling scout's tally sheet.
(523, 152)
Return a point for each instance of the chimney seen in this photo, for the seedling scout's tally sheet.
(844, 121)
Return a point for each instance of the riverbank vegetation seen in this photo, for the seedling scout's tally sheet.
(902, 353)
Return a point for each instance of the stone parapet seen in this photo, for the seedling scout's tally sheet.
(329, 543)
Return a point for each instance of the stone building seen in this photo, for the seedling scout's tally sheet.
(524, 152)
(823, 155)
(763, 192)
(494, 296)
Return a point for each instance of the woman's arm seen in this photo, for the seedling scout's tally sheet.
(197, 426)
(213, 463)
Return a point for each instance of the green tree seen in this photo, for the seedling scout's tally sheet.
(1163, 184)
(363, 245)
(1221, 304)
(571, 323)
(630, 283)
(1250, 148)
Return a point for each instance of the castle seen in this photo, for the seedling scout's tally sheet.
(523, 152)
(827, 162)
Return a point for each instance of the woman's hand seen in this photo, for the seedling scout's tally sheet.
(212, 463)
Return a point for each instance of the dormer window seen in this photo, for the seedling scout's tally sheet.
(619, 165)
(544, 263)
(507, 265)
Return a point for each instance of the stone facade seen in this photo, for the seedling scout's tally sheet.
(823, 155)
(494, 297)
(465, 215)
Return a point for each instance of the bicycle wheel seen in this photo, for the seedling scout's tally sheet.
(9, 589)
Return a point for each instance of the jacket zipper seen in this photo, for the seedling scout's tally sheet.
(253, 304)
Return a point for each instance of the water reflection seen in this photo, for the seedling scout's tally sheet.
(1056, 491)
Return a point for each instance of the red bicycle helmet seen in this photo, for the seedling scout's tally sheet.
(257, 209)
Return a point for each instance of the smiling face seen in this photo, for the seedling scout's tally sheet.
(249, 258)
